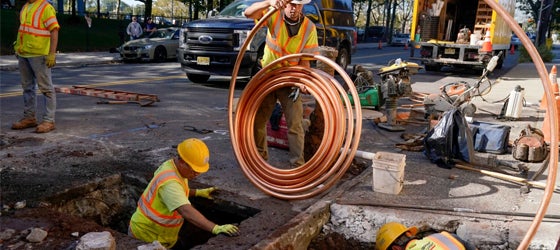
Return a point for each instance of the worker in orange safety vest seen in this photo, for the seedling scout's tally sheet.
(289, 32)
(396, 236)
(165, 203)
(35, 49)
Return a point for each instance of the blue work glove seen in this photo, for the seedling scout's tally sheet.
(205, 192)
(227, 229)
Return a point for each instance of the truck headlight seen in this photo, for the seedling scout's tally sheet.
(182, 40)
(240, 36)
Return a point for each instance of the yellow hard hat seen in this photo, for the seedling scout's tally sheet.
(389, 232)
(195, 153)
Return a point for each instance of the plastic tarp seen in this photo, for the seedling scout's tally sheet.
(449, 139)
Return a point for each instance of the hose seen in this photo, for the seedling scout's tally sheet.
(341, 132)
(552, 111)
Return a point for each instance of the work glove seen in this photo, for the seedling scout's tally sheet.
(51, 60)
(205, 193)
(228, 229)
(294, 94)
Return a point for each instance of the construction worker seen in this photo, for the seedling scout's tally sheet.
(35, 49)
(289, 32)
(165, 204)
(396, 236)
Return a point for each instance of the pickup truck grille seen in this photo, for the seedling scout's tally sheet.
(221, 39)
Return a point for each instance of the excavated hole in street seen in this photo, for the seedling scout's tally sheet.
(111, 201)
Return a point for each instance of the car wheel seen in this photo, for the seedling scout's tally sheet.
(160, 54)
(343, 58)
(198, 78)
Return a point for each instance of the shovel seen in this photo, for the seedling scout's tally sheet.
(142, 103)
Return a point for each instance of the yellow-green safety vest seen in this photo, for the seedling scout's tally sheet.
(163, 224)
(279, 43)
(438, 241)
(37, 20)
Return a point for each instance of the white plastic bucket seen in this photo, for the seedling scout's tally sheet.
(388, 172)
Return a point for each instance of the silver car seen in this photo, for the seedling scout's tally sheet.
(160, 45)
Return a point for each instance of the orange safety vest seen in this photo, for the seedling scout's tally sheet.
(279, 43)
(37, 20)
(438, 241)
(153, 212)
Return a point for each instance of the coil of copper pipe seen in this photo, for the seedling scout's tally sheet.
(341, 132)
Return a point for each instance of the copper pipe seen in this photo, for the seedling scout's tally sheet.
(330, 162)
(550, 108)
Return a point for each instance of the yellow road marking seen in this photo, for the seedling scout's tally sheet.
(123, 82)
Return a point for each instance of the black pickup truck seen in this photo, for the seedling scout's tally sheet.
(210, 46)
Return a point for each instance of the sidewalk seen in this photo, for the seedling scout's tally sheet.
(10, 63)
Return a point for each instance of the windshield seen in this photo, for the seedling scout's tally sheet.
(236, 8)
(162, 33)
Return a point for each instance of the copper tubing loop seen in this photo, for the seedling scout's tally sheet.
(550, 108)
(341, 132)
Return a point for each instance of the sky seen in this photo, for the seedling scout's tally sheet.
(132, 2)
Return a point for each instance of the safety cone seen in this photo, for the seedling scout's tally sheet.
(406, 46)
(512, 50)
(546, 126)
(554, 85)
(379, 46)
(487, 44)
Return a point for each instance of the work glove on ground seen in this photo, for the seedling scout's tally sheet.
(205, 193)
(228, 229)
(51, 60)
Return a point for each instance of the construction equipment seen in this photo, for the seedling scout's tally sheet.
(457, 94)
(369, 92)
(395, 83)
(120, 96)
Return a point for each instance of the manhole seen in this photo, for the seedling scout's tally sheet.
(111, 201)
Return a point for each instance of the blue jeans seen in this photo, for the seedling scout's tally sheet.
(34, 72)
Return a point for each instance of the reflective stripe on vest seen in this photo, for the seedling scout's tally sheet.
(444, 240)
(281, 45)
(36, 28)
(146, 200)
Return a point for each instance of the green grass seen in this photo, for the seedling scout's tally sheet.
(74, 35)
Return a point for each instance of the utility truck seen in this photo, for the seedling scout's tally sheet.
(453, 33)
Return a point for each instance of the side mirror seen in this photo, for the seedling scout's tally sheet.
(492, 63)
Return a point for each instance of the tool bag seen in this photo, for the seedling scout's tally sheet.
(530, 146)
(490, 138)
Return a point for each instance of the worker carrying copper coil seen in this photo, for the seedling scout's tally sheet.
(289, 32)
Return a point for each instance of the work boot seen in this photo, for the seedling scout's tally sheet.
(45, 127)
(28, 122)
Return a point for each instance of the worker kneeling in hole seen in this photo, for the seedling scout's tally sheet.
(395, 236)
(165, 203)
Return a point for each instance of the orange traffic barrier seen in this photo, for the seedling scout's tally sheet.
(554, 82)
(512, 50)
(379, 46)
(487, 44)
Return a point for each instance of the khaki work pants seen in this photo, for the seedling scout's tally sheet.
(293, 111)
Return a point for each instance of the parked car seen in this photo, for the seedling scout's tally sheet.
(159, 45)
(400, 39)
(210, 46)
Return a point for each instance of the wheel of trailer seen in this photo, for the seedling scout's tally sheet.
(432, 67)
(160, 54)
(343, 57)
(196, 78)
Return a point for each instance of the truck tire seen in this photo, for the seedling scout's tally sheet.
(343, 57)
(198, 78)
